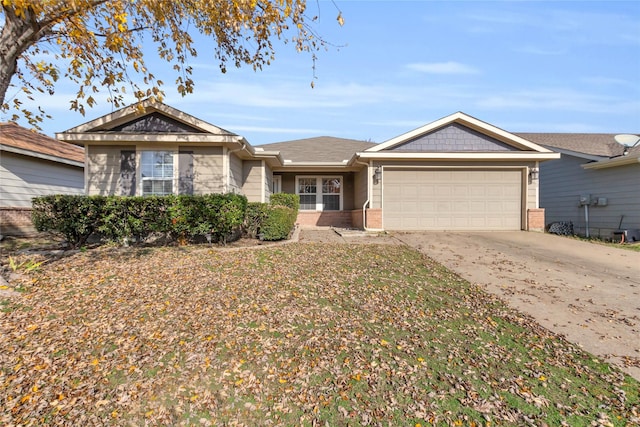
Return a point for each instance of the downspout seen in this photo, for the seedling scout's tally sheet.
(364, 206)
(586, 219)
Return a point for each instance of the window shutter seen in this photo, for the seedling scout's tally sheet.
(127, 180)
(185, 172)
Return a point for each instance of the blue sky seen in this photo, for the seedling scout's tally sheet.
(564, 66)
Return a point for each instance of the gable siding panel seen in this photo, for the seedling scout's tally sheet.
(24, 177)
(563, 181)
(454, 138)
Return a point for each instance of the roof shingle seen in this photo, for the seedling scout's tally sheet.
(595, 144)
(318, 149)
(14, 135)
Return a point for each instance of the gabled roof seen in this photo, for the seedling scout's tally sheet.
(148, 121)
(488, 143)
(321, 149)
(15, 138)
(467, 121)
(133, 112)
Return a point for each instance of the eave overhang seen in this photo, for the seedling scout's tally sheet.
(42, 156)
(467, 157)
(613, 162)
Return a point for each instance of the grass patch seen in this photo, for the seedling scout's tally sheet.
(305, 334)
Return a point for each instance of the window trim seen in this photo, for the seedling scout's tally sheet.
(319, 194)
(174, 171)
(276, 184)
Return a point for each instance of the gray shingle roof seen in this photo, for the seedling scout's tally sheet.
(595, 144)
(318, 149)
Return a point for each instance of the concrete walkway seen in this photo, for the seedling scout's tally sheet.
(589, 293)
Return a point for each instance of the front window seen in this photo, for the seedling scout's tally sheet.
(320, 193)
(157, 173)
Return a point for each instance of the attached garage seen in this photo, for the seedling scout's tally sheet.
(452, 199)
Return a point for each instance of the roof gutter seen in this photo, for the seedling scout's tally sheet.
(613, 162)
(537, 156)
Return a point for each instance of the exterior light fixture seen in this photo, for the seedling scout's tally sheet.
(629, 141)
(533, 174)
(377, 175)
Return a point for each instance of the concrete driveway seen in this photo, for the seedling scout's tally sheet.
(589, 293)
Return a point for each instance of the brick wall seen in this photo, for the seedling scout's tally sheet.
(324, 219)
(535, 219)
(16, 222)
(374, 218)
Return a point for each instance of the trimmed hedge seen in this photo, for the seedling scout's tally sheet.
(75, 217)
(285, 199)
(274, 220)
(278, 223)
(125, 219)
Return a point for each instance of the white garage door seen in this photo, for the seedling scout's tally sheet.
(419, 199)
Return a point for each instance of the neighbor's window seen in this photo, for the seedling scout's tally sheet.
(157, 173)
(320, 193)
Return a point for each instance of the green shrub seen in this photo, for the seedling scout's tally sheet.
(217, 215)
(278, 223)
(123, 219)
(76, 218)
(137, 218)
(284, 199)
(256, 213)
(274, 220)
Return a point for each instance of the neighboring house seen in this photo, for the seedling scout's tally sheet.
(32, 164)
(457, 173)
(593, 185)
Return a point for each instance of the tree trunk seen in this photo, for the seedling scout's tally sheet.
(18, 34)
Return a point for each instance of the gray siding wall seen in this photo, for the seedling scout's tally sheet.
(24, 177)
(235, 174)
(360, 190)
(563, 181)
(207, 170)
(268, 182)
(252, 180)
(103, 169)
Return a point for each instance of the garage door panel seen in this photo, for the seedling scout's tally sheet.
(452, 199)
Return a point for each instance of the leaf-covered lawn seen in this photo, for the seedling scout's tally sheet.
(302, 334)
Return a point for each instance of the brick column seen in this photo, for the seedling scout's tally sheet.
(535, 219)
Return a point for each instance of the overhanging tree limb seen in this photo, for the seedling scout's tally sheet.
(99, 42)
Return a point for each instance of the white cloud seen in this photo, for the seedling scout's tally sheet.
(558, 99)
(534, 50)
(450, 67)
